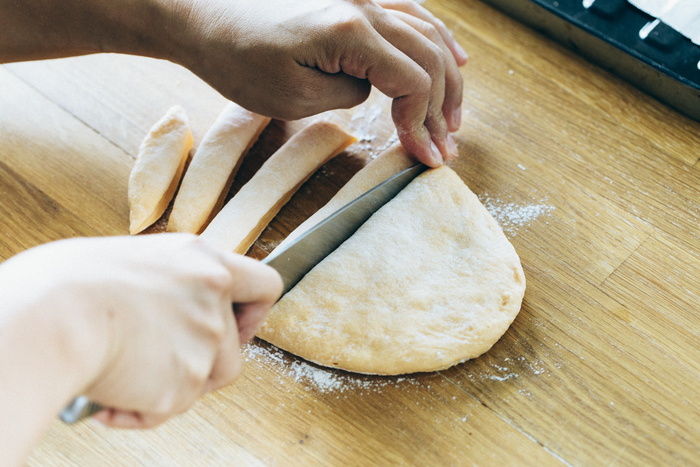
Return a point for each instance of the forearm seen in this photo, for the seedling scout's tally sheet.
(44, 360)
(39, 29)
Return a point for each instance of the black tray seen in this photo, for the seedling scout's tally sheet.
(665, 63)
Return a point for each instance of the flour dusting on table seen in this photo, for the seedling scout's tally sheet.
(313, 376)
(361, 125)
(512, 216)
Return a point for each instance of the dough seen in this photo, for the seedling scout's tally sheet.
(245, 216)
(213, 167)
(158, 168)
(429, 281)
(388, 163)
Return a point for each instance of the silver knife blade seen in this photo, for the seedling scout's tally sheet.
(299, 257)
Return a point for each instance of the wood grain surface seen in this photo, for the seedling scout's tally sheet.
(596, 184)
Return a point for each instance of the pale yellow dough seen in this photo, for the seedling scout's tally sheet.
(245, 216)
(213, 167)
(427, 282)
(158, 168)
(388, 163)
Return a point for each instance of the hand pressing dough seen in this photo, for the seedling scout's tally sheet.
(245, 216)
(158, 168)
(387, 164)
(429, 281)
(213, 167)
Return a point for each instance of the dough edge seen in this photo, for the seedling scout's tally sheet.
(329, 347)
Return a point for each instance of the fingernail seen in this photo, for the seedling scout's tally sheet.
(452, 145)
(461, 52)
(457, 117)
(437, 157)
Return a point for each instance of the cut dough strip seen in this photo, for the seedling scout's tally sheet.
(388, 163)
(245, 216)
(158, 168)
(213, 168)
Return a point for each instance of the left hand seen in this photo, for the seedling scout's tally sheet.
(290, 59)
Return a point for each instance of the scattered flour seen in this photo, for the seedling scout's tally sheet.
(511, 216)
(394, 138)
(313, 376)
(361, 125)
(511, 369)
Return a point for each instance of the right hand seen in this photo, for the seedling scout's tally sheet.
(162, 331)
(294, 58)
(179, 336)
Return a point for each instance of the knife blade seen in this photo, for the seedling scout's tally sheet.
(299, 257)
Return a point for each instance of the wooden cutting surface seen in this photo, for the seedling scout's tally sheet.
(596, 184)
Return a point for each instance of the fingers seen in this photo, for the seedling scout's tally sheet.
(414, 9)
(128, 419)
(321, 91)
(227, 364)
(452, 105)
(249, 318)
(253, 282)
(368, 55)
(255, 288)
(417, 84)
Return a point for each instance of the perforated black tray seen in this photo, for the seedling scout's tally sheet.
(664, 63)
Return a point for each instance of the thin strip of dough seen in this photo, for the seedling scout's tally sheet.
(245, 216)
(388, 163)
(213, 168)
(158, 168)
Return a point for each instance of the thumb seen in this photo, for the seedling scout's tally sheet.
(327, 91)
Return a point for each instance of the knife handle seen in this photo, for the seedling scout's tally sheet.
(78, 409)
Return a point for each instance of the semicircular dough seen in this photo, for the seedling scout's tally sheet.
(429, 281)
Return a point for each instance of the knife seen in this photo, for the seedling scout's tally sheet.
(300, 256)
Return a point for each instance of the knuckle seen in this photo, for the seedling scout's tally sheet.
(440, 24)
(198, 243)
(351, 25)
(218, 280)
(166, 404)
(437, 57)
(214, 326)
(197, 374)
(429, 31)
(423, 83)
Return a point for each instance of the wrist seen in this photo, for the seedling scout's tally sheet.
(54, 320)
(49, 352)
(39, 29)
(149, 28)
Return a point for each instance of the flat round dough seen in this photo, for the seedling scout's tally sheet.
(429, 281)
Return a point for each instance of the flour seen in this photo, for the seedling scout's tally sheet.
(313, 376)
(510, 369)
(511, 216)
(361, 126)
(394, 138)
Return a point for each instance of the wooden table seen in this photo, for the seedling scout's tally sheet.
(595, 183)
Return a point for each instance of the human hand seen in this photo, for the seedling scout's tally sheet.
(290, 59)
(282, 58)
(163, 332)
